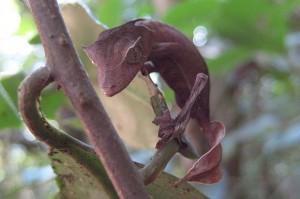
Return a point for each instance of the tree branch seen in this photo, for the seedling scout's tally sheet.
(68, 72)
(29, 94)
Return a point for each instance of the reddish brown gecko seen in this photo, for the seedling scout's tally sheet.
(122, 51)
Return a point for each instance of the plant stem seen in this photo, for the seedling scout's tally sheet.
(162, 156)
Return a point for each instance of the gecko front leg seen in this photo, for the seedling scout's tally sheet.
(165, 122)
(166, 128)
(170, 128)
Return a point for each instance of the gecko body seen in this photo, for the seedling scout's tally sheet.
(122, 51)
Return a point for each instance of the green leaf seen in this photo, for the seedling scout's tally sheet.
(228, 60)
(253, 24)
(35, 39)
(76, 181)
(163, 187)
(27, 26)
(143, 9)
(52, 99)
(186, 15)
(8, 101)
(111, 12)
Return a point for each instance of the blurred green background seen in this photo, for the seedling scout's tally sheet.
(253, 52)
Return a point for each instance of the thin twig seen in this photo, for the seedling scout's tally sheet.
(68, 72)
(163, 155)
(159, 161)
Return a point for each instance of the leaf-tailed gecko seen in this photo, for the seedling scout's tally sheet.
(122, 51)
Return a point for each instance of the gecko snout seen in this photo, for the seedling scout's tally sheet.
(109, 90)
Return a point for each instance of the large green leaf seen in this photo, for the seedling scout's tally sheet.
(110, 12)
(228, 60)
(191, 13)
(143, 8)
(76, 181)
(255, 23)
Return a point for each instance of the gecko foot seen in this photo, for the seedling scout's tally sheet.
(166, 128)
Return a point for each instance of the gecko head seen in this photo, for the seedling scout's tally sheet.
(119, 53)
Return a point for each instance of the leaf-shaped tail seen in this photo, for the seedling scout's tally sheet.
(207, 168)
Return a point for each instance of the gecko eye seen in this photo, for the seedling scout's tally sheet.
(134, 56)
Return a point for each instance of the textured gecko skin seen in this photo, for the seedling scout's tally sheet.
(173, 56)
(121, 52)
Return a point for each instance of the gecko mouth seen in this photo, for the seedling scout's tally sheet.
(114, 81)
(110, 91)
(114, 89)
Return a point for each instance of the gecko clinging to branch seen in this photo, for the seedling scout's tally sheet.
(122, 51)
